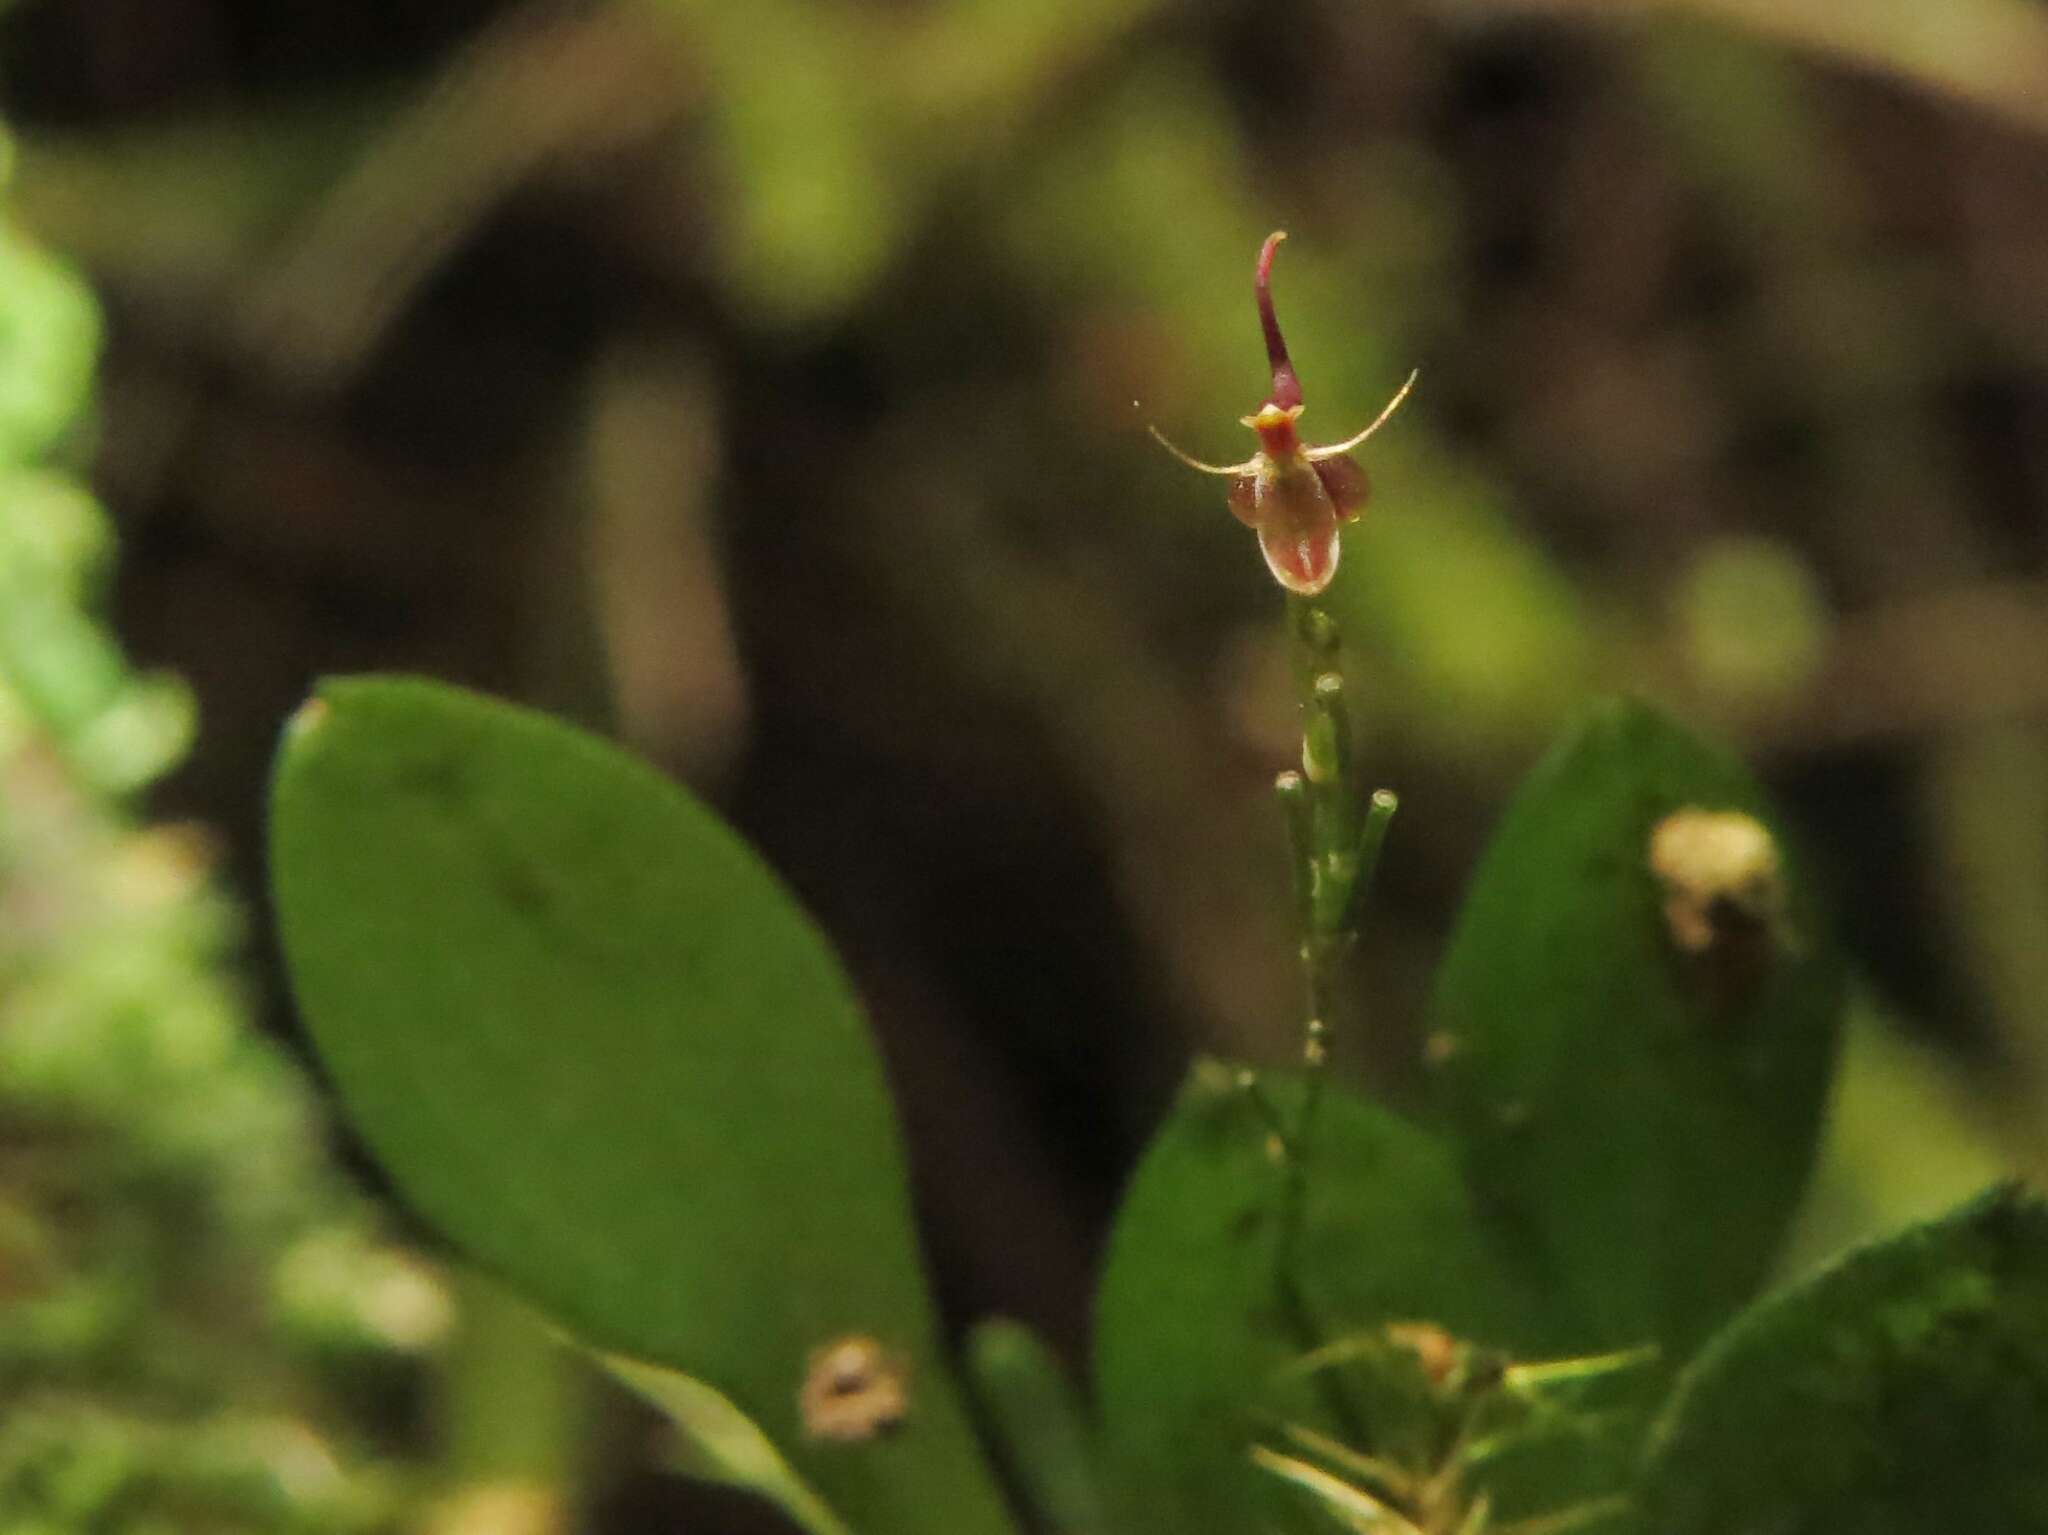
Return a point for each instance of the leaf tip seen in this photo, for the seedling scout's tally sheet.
(306, 719)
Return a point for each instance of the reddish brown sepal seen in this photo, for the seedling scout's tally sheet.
(1345, 480)
(1286, 384)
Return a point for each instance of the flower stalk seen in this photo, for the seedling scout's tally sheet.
(1335, 833)
(1296, 498)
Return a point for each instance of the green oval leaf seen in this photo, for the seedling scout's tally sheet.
(594, 1041)
(1194, 1343)
(1902, 1390)
(1635, 1026)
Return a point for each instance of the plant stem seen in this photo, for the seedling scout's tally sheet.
(1336, 835)
(512, 1412)
(1336, 832)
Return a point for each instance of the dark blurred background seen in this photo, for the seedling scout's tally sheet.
(756, 381)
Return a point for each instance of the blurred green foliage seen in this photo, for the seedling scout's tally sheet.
(189, 1297)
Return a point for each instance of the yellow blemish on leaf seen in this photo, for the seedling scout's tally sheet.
(1721, 875)
(854, 1390)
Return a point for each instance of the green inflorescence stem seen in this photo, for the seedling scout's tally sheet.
(1336, 831)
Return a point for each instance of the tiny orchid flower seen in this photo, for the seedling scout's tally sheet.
(1294, 496)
